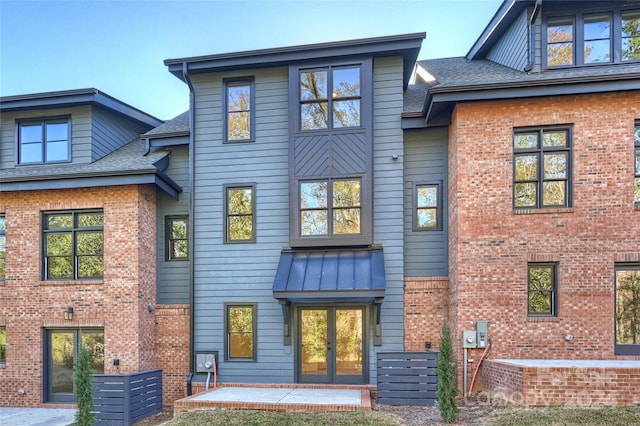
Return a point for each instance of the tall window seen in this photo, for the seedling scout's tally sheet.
(240, 336)
(428, 207)
(44, 141)
(330, 98)
(3, 345)
(177, 237)
(541, 163)
(337, 199)
(627, 288)
(636, 182)
(3, 248)
(239, 106)
(584, 39)
(73, 245)
(542, 289)
(240, 214)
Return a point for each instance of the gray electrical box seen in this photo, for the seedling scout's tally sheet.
(205, 360)
(469, 339)
(481, 329)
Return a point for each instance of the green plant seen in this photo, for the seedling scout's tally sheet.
(85, 415)
(446, 372)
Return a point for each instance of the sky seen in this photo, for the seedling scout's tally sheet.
(118, 46)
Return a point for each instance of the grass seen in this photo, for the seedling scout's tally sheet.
(556, 416)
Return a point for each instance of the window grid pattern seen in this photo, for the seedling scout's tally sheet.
(338, 199)
(177, 236)
(240, 214)
(239, 107)
(44, 141)
(240, 333)
(542, 289)
(428, 207)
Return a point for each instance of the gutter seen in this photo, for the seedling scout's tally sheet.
(532, 38)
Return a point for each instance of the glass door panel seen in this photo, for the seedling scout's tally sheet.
(314, 341)
(62, 355)
(348, 341)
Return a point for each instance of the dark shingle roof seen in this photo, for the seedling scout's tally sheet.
(177, 126)
(414, 97)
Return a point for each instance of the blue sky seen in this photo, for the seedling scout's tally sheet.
(119, 46)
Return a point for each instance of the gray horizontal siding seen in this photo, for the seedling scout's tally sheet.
(109, 132)
(425, 159)
(512, 50)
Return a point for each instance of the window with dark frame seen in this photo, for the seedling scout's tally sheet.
(3, 345)
(330, 98)
(330, 207)
(636, 181)
(73, 245)
(240, 335)
(177, 237)
(592, 38)
(239, 110)
(427, 199)
(3, 248)
(627, 309)
(44, 141)
(541, 168)
(240, 213)
(542, 288)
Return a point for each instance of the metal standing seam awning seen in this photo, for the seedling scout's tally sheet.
(330, 275)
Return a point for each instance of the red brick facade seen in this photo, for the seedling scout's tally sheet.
(425, 304)
(118, 303)
(172, 350)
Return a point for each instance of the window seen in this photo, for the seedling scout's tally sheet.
(3, 248)
(542, 289)
(541, 163)
(240, 336)
(337, 199)
(596, 38)
(330, 98)
(627, 287)
(44, 141)
(428, 207)
(240, 213)
(239, 106)
(73, 245)
(636, 136)
(177, 237)
(3, 345)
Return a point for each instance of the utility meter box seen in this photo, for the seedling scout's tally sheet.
(481, 329)
(205, 360)
(469, 339)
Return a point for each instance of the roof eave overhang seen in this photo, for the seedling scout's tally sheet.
(442, 100)
(72, 181)
(406, 45)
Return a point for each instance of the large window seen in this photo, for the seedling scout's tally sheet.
(177, 237)
(240, 213)
(44, 141)
(3, 345)
(240, 336)
(542, 289)
(541, 162)
(3, 247)
(636, 182)
(627, 286)
(73, 245)
(239, 107)
(330, 207)
(593, 38)
(330, 98)
(428, 207)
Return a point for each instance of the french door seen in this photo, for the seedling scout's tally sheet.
(61, 354)
(331, 345)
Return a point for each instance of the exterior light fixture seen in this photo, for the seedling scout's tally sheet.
(68, 314)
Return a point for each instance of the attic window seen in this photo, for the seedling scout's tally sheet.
(44, 141)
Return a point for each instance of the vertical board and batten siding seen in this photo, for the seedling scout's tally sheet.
(110, 131)
(173, 276)
(80, 133)
(425, 160)
(512, 50)
(244, 272)
(388, 198)
(407, 378)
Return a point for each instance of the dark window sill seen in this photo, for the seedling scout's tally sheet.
(544, 210)
(543, 319)
(57, 283)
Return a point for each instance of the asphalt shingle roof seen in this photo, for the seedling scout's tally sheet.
(175, 126)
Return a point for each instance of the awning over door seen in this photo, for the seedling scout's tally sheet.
(349, 275)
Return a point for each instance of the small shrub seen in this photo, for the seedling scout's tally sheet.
(446, 372)
(85, 415)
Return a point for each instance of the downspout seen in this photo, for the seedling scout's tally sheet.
(192, 181)
(532, 36)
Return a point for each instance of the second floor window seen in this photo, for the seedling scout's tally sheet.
(428, 205)
(636, 182)
(541, 164)
(73, 245)
(3, 248)
(240, 214)
(177, 237)
(330, 207)
(44, 141)
(330, 98)
(239, 101)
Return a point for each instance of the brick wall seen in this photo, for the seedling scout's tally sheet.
(118, 303)
(425, 304)
(172, 350)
